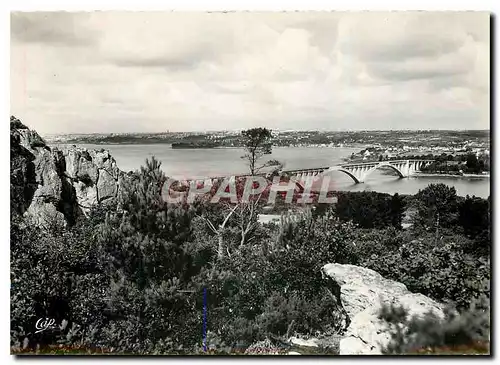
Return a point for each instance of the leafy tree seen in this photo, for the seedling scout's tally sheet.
(397, 209)
(257, 143)
(474, 217)
(436, 207)
(472, 163)
(370, 209)
(150, 298)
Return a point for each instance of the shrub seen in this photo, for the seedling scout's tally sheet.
(269, 291)
(437, 207)
(122, 280)
(438, 268)
(59, 276)
(466, 332)
(474, 218)
(369, 209)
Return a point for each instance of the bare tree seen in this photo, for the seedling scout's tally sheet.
(219, 231)
(247, 219)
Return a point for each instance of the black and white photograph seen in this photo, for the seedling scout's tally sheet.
(250, 183)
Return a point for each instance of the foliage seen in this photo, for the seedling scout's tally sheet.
(130, 277)
(437, 207)
(456, 333)
(370, 209)
(257, 143)
(439, 268)
(456, 164)
(269, 290)
(474, 218)
(48, 280)
(124, 279)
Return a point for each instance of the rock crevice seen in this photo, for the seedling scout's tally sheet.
(55, 186)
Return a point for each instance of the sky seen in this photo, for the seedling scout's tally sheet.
(123, 72)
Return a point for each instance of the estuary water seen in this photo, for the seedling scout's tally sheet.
(189, 163)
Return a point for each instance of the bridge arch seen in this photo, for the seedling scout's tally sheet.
(384, 164)
(347, 172)
(363, 175)
(359, 172)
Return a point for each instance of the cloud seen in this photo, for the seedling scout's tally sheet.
(401, 35)
(58, 28)
(145, 71)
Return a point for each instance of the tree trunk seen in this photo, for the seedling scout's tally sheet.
(220, 249)
(437, 225)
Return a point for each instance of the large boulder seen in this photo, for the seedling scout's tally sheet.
(362, 293)
(94, 174)
(55, 186)
(79, 165)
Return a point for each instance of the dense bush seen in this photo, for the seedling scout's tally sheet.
(277, 288)
(124, 278)
(439, 268)
(457, 333)
(474, 218)
(434, 257)
(437, 207)
(59, 276)
(367, 209)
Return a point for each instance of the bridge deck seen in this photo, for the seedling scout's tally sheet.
(305, 170)
(374, 163)
(320, 169)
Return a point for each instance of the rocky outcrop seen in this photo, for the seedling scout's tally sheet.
(362, 292)
(55, 186)
(94, 175)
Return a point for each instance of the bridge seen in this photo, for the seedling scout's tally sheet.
(360, 171)
(356, 171)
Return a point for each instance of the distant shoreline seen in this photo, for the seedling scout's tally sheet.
(194, 148)
(473, 176)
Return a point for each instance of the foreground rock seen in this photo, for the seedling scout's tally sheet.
(362, 292)
(294, 346)
(54, 186)
(315, 346)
